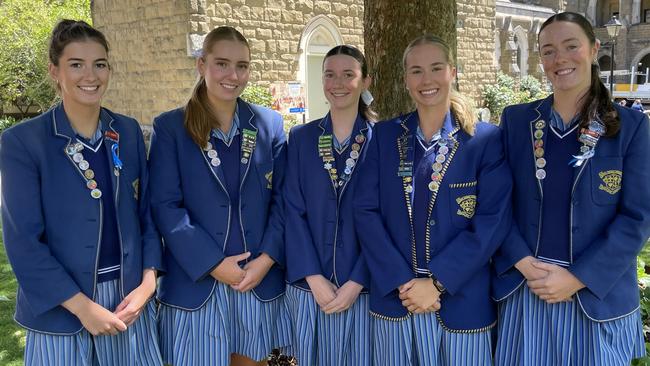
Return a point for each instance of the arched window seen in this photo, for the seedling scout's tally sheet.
(521, 40)
(318, 37)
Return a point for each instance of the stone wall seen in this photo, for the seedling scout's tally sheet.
(151, 70)
(475, 26)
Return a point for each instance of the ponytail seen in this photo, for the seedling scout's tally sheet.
(367, 112)
(463, 111)
(199, 118)
(597, 104)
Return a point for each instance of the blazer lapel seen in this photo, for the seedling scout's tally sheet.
(360, 129)
(543, 110)
(248, 139)
(325, 125)
(112, 141)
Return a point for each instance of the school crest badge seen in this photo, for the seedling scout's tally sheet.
(269, 178)
(611, 181)
(467, 206)
(136, 188)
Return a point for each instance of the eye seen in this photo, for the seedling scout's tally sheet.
(328, 75)
(101, 65)
(242, 66)
(415, 72)
(437, 68)
(221, 64)
(76, 65)
(349, 75)
(548, 53)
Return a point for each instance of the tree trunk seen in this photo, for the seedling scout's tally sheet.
(389, 26)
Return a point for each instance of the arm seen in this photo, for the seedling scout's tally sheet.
(302, 258)
(613, 252)
(273, 238)
(472, 248)
(42, 279)
(377, 248)
(151, 244)
(189, 243)
(514, 248)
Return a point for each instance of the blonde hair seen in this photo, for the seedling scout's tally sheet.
(199, 118)
(461, 107)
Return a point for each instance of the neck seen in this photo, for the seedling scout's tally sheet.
(568, 103)
(83, 119)
(431, 119)
(343, 122)
(224, 112)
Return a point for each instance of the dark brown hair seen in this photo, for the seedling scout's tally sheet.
(199, 118)
(67, 31)
(596, 104)
(364, 109)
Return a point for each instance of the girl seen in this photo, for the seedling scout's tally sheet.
(218, 165)
(431, 214)
(566, 274)
(324, 267)
(76, 219)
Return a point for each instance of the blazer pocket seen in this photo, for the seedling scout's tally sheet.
(462, 202)
(606, 179)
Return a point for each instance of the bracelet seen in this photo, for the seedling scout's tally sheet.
(438, 285)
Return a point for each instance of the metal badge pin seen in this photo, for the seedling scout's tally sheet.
(215, 162)
(212, 154)
(89, 174)
(96, 193)
(83, 165)
(77, 157)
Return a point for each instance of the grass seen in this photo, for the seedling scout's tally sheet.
(12, 337)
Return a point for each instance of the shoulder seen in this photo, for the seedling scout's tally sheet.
(486, 130)
(390, 126)
(124, 121)
(305, 129)
(517, 110)
(264, 114)
(31, 129)
(174, 117)
(631, 121)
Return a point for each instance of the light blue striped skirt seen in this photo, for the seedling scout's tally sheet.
(229, 322)
(134, 347)
(532, 332)
(341, 339)
(420, 340)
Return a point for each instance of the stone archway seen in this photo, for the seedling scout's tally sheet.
(318, 37)
(521, 40)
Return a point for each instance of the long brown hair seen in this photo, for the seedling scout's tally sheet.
(461, 107)
(364, 109)
(596, 104)
(199, 117)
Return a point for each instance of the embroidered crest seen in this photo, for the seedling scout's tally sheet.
(611, 180)
(269, 178)
(467, 205)
(136, 188)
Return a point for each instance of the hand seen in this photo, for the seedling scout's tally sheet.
(130, 308)
(228, 271)
(559, 285)
(419, 295)
(346, 295)
(255, 271)
(323, 290)
(94, 318)
(530, 272)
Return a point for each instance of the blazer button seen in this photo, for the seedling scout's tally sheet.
(432, 222)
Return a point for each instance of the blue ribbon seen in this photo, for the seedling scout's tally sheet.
(116, 159)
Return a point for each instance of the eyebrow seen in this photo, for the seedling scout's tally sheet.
(81, 59)
(229, 60)
(346, 70)
(433, 64)
(565, 41)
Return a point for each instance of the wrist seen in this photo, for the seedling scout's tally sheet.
(438, 285)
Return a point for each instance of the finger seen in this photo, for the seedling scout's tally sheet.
(405, 287)
(122, 305)
(536, 284)
(333, 304)
(412, 308)
(543, 266)
(240, 257)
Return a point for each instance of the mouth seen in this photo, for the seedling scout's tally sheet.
(429, 92)
(339, 95)
(229, 86)
(89, 88)
(564, 72)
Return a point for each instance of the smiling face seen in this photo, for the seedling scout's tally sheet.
(226, 70)
(428, 76)
(567, 56)
(82, 73)
(343, 81)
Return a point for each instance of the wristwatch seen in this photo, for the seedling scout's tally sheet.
(439, 286)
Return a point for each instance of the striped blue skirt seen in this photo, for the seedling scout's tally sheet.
(134, 347)
(532, 332)
(420, 340)
(229, 322)
(341, 339)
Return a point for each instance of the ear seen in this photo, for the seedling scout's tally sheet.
(595, 49)
(367, 81)
(200, 66)
(53, 71)
(454, 72)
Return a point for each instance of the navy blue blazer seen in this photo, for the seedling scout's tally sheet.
(609, 222)
(191, 206)
(461, 240)
(52, 226)
(320, 234)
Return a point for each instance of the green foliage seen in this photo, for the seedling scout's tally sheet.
(257, 94)
(25, 26)
(12, 337)
(6, 122)
(509, 91)
(644, 292)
